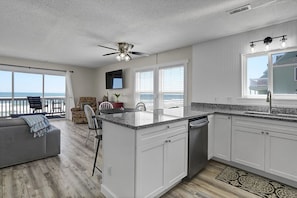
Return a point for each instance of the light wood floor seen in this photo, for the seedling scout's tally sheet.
(69, 174)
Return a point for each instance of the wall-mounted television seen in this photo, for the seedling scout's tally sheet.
(114, 79)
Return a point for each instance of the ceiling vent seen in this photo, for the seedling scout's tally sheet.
(240, 9)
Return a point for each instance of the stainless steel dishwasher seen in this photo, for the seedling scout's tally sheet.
(197, 145)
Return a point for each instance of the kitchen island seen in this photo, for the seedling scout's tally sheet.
(145, 153)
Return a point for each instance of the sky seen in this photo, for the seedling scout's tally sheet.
(256, 66)
(26, 82)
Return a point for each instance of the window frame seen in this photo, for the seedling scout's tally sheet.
(15, 69)
(147, 69)
(156, 68)
(244, 90)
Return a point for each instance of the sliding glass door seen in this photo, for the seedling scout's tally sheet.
(54, 93)
(25, 84)
(5, 93)
(16, 86)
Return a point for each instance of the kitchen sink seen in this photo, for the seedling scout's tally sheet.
(287, 115)
(258, 113)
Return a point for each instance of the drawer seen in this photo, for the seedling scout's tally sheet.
(265, 124)
(161, 132)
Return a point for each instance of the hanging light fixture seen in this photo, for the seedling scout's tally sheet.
(252, 45)
(267, 41)
(283, 40)
(123, 54)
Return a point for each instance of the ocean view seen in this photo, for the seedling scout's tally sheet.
(25, 94)
(20, 104)
(144, 97)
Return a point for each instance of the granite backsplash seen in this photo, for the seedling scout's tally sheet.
(212, 106)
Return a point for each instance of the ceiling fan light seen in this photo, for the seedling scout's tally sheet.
(127, 57)
(118, 57)
(122, 55)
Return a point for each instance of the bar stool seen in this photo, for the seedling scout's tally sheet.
(93, 126)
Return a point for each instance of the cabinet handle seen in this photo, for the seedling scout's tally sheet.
(262, 132)
(168, 127)
(167, 141)
(267, 133)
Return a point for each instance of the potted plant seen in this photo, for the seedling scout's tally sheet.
(117, 95)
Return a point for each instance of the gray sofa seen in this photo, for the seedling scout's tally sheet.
(17, 144)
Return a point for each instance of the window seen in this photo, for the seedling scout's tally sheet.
(257, 75)
(161, 87)
(275, 71)
(284, 65)
(17, 85)
(5, 93)
(27, 84)
(54, 86)
(144, 88)
(5, 82)
(171, 87)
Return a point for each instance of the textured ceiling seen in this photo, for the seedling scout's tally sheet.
(68, 31)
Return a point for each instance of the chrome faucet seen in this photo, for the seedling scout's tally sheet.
(268, 99)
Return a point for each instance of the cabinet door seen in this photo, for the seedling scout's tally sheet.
(210, 136)
(150, 169)
(222, 137)
(176, 158)
(281, 157)
(248, 147)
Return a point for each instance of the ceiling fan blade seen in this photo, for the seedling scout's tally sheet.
(107, 47)
(110, 53)
(139, 53)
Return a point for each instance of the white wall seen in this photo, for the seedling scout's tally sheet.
(83, 79)
(217, 65)
(127, 93)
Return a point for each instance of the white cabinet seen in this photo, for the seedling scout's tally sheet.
(280, 154)
(248, 147)
(150, 169)
(210, 136)
(161, 159)
(267, 145)
(145, 162)
(176, 152)
(222, 137)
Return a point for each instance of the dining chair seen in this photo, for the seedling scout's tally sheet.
(140, 106)
(105, 105)
(93, 126)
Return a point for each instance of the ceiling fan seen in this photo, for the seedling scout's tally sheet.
(123, 52)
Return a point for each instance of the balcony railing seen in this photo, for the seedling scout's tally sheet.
(52, 105)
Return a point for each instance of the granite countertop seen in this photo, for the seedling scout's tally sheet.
(144, 119)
